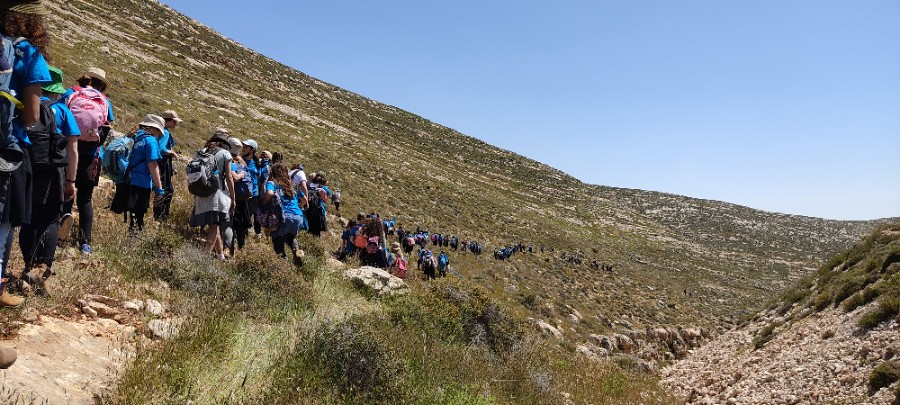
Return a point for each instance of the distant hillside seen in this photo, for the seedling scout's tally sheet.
(831, 339)
(677, 260)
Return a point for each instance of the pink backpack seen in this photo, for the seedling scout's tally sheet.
(401, 267)
(90, 108)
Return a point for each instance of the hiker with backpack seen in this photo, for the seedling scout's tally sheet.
(348, 249)
(209, 180)
(318, 196)
(53, 153)
(162, 207)
(279, 186)
(241, 190)
(396, 262)
(374, 252)
(23, 72)
(263, 166)
(142, 174)
(427, 263)
(443, 263)
(336, 200)
(93, 112)
(298, 178)
(246, 191)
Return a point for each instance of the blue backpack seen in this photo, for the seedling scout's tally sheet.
(115, 158)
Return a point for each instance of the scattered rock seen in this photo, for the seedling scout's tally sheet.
(164, 328)
(155, 308)
(133, 305)
(548, 329)
(90, 312)
(103, 310)
(377, 280)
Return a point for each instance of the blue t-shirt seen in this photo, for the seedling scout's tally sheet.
(254, 175)
(65, 121)
(166, 142)
(143, 152)
(30, 68)
(289, 205)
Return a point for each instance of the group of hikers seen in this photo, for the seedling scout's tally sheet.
(56, 141)
(366, 236)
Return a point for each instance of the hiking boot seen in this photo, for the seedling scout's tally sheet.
(86, 249)
(10, 300)
(37, 279)
(65, 227)
(298, 257)
(7, 357)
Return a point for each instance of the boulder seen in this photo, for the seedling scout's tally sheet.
(548, 329)
(624, 343)
(378, 281)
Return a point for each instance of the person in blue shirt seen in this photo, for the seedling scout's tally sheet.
(166, 169)
(30, 73)
(443, 263)
(279, 186)
(263, 165)
(24, 19)
(245, 210)
(143, 166)
(38, 238)
(87, 175)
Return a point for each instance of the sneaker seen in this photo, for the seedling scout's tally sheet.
(86, 249)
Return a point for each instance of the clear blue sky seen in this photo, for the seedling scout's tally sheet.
(787, 106)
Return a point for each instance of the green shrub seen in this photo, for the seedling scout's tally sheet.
(357, 361)
(765, 335)
(887, 307)
(828, 334)
(862, 298)
(884, 375)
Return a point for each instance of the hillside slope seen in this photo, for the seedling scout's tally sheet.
(829, 340)
(677, 260)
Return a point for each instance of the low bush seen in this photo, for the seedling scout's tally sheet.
(887, 307)
(884, 375)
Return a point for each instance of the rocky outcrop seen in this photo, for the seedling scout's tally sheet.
(376, 280)
(823, 358)
(648, 344)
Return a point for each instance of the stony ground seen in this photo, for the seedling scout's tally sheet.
(822, 358)
(64, 361)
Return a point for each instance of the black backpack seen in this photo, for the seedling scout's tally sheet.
(314, 197)
(48, 147)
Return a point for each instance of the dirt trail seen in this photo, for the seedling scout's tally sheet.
(64, 362)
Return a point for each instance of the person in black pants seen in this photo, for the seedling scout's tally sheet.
(88, 173)
(50, 185)
(166, 169)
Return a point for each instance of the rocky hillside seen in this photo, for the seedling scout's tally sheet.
(835, 338)
(677, 260)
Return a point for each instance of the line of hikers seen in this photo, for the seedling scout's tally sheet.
(366, 236)
(56, 141)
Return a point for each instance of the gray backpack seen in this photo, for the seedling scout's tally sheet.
(202, 174)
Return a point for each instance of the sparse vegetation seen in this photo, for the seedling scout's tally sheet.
(884, 374)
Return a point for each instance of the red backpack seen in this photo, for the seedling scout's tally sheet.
(90, 108)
